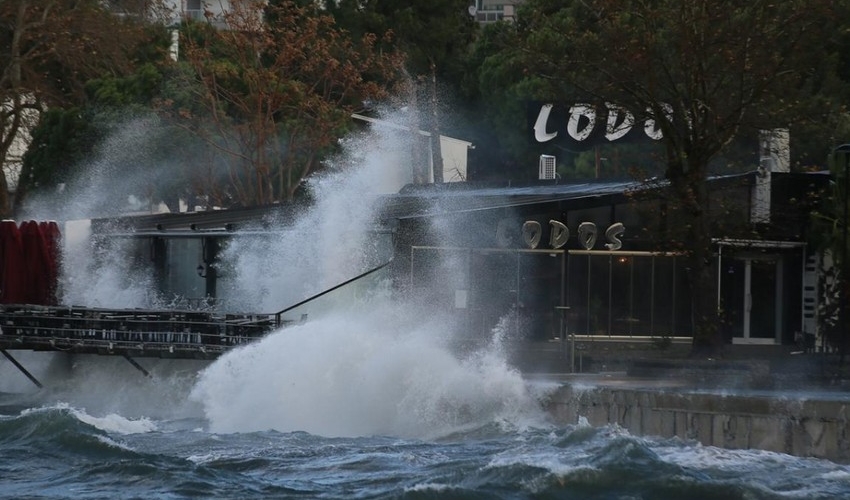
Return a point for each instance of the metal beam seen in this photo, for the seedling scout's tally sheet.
(21, 368)
(137, 365)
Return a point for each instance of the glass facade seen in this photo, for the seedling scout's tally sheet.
(596, 293)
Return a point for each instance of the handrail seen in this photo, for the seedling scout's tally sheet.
(316, 296)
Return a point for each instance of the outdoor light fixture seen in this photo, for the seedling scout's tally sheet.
(201, 270)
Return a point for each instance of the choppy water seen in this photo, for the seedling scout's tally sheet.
(469, 428)
(59, 451)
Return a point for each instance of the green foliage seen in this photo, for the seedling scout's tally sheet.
(436, 32)
(496, 82)
(65, 136)
(136, 89)
(271, 95)
(61, 139)
(829, 235)
(50, 50)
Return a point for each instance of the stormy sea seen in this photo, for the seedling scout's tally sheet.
(369, 398)
(333, 412)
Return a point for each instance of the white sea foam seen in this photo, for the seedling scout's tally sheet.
(837, 475)
(115, 423)
(204, 458)
(361, 373)
(105, 385)
(103, 278)
(429, 488)
(325, 245)
(364, 364)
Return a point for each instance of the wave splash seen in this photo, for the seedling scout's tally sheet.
(373, 371)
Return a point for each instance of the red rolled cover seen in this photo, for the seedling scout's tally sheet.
(13, 284)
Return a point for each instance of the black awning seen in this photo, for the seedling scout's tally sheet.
(432, 200)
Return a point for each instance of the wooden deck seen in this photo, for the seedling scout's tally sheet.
(135, 332)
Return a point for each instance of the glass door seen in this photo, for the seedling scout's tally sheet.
(751, 289)
(764, 290)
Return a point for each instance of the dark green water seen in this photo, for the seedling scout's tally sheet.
(59, 451)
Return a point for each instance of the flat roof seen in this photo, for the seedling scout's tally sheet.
(415, 201)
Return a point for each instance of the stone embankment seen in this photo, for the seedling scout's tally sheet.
(772, 398)
(804, 423)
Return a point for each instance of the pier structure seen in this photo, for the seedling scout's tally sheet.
(144, 333)
(134, 333)
(131, 333)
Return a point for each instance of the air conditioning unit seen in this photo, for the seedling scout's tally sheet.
(548, 167)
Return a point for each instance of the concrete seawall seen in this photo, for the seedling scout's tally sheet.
(804, 424)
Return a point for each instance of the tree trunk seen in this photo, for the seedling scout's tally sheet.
(687, 180)
(708, 337)
(4, 197)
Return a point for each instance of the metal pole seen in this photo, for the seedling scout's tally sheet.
(652, 300)
(137, 365)
(588, 332)
(843, 269)
(631, 295)
(563, 319)
(21, 368)
(719, 267)
(673, 309)
(436, 146)
(572, 344)
(563, 310)
(610, 299)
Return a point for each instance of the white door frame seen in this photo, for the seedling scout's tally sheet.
(778, 256)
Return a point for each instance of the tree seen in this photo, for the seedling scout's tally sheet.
(50, 49)
(272, 93)
(434, 37)
(57, 144)
(498, 89)
(832, 238)
(66, 136)
(706, 71)
(431, 34)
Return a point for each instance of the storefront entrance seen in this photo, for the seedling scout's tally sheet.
(751, 294)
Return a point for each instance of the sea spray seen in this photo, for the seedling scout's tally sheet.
(364, 373)
(321, 246)
(126, 174)
(102, 273)
(333, 240)
(104, 385)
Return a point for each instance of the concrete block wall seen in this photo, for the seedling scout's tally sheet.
(803, 427)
